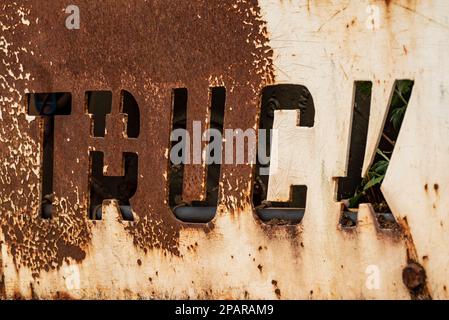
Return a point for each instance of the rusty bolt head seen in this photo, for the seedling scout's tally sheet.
(414, 276)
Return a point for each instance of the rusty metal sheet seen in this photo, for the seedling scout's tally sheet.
(146, 48)
(150, 48)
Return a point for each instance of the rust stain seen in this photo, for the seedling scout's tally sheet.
(34, 296)
(62, 296)
(414, 274)
(277, 291)
(2, 287)
(436, 187)
(352, 23)
(405, 49)
(18, 296)
(282, 231)
(2, 284)
(2, 276)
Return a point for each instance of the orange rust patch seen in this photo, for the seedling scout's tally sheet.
(63, 296)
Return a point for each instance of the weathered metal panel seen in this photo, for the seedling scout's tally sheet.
(150, 48)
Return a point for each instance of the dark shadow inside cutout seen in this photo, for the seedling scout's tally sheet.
(47, 106)
(130, 107)
(359, 133)
(196, 211)
(104, 187)
(99, 104)
(291, 212)
(355, 189)
(281, 97)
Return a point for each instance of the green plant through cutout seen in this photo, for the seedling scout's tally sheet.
(369, 189)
